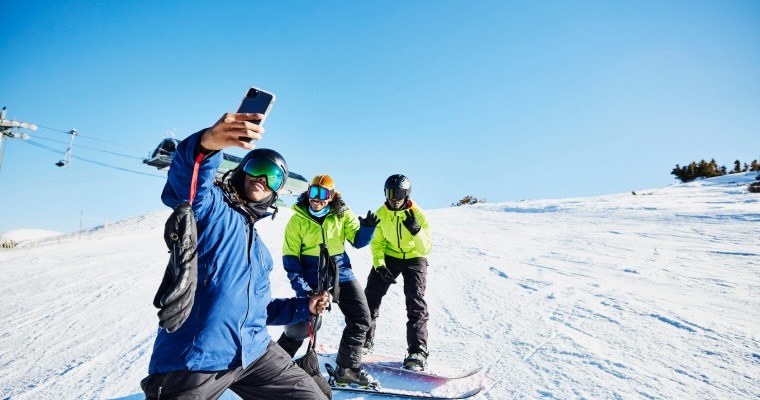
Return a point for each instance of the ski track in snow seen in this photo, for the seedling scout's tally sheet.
(654, 296)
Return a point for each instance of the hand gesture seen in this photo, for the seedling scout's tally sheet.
(411, 223)
(233, 130)
(385, 274)
(371, 220)
(318, 303)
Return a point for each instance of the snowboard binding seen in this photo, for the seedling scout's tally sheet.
(360, 382)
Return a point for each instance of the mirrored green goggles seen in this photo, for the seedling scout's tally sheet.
(265, 167)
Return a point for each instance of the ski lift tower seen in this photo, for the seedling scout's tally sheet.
(9, 129)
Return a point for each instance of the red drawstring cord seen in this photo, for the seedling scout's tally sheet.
(194, 181)
(311, 330)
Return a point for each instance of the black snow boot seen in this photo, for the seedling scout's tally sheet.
(416, 361)
(354, 376)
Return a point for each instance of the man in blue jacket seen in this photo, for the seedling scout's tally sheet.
(224, 343)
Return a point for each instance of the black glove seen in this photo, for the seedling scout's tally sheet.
(385, 275)
(411, 222)
(371, 220)
(176, 295)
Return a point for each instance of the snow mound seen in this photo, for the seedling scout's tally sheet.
(19, 235)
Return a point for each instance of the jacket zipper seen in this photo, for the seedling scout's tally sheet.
(398, 227)
(249, 240)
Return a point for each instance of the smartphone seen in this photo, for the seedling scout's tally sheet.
(257, 101)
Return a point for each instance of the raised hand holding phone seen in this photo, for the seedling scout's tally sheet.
(240, 129)
(233, 130)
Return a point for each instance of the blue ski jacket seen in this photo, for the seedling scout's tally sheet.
(233, 300)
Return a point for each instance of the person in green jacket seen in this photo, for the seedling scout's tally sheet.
(320, 217)
(401, 243)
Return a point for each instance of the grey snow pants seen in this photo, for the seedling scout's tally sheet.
(273, 376)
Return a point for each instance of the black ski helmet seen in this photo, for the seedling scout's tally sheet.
(238, 174)
(397, 187)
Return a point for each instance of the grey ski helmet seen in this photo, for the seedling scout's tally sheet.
(397, 187)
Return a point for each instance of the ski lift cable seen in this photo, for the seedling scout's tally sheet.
(118, 168)
(53, 129)
(89, 148)
(40, 145)
(88, 137)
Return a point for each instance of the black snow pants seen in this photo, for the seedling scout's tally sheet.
(353, 304)
(273, 376)
(414, 272)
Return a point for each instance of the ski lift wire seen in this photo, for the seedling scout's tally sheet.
(118, 168)
(42, 146)
(53, 129)
(88, 137)
(90, 148)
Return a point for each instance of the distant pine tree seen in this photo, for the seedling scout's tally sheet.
(468, 200)
(737, 167)
(702, 170)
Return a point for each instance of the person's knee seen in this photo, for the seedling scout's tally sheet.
(417, 314)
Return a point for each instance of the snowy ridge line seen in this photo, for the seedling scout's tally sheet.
(108, 228)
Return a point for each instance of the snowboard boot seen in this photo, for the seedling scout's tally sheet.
(355, 376)
(416, 361)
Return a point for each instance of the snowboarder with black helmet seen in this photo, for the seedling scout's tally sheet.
(400, 245)
(225, 343)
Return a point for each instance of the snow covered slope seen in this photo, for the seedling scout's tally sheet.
(19, 235)
(648, 296)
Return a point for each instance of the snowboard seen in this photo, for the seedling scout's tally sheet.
(397, 382)
(379, 361)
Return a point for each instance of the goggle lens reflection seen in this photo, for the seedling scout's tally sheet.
(319, 193)
(267, 168)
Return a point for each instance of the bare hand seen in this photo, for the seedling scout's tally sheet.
(233, 130)
(318, 303)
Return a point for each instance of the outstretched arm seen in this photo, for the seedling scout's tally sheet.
(290, 311)
(230, 130)
(359, 230)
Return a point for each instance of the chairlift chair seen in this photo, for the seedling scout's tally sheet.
(162, 156)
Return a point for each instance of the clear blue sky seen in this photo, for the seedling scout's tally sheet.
(503, 100)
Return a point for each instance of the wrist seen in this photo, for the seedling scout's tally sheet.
(204, 144)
